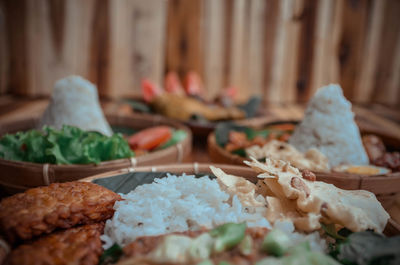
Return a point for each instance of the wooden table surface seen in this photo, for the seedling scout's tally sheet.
(376, 117)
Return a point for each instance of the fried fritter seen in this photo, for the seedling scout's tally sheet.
(78, 246)
(61, 205)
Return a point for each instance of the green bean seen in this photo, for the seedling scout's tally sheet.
(276, 243)
(227, 236)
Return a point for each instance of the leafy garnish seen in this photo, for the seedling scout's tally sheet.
(123, 130)
(366, 248)
(223, 128)
(251, 106)
(111, 255)
(200, 119)
(138, 106)
(240, 152)
(177, 136)
(330, 229)
(70, 145)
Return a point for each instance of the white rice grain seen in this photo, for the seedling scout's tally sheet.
(175, 204)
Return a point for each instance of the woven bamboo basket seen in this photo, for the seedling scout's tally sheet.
(392, 228)
(385, 187)
(18, 176)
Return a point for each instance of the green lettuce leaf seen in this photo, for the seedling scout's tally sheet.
(70, 145)
(364, 248)
(177, 136)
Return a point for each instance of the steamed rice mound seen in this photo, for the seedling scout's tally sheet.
(329, 126)
(176, 204)
(75, 102)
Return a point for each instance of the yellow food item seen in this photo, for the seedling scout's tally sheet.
(363, 170)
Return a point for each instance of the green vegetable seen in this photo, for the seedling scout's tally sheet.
(123, 130)
(330, 229)
(70, 145)
(138, 106)
(269, 261)
(311, 258)
(240, 152)
(367, 247)
(251, 106)
(206, 262)
(177, 136)
(227, 236)
(246, 246)
(298, 255)
(200, 119)
(224, 263)
(223, 128)
(276, 243)
(299, 248)
(111, 255)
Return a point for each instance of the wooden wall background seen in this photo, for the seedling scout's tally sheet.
(280, 49)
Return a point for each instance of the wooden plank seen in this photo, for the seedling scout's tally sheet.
(100, 47)
(33, 107)
(364, 85)
(377, 121)
(282, 73)
(63, 43)
(393, 95)
(214, 41)
(350, 49)
(386, 112)
(184, 37)
(238, 70)
(306, 47)
(383, 91)
(228, 20)
(16, 19)
(3, 51)
(325, 66)
(290, 70)
(136, 48)
(271, 21)
(255, 47)
(148, 28)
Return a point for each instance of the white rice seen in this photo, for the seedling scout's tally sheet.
(75, 102)
(329, 126)
(175, 204)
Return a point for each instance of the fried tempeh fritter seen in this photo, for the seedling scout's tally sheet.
(61, 205)
(78, 246)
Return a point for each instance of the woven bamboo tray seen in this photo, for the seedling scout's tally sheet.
(385, 187)
(18, 176)
(392, 228)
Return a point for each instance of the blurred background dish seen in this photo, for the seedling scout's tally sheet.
(19, 175)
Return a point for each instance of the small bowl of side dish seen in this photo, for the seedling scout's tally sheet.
(19, 175)
(386, 186)
(328, 141)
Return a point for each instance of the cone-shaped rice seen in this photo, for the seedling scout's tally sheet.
(329, 126)
(75, 102)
